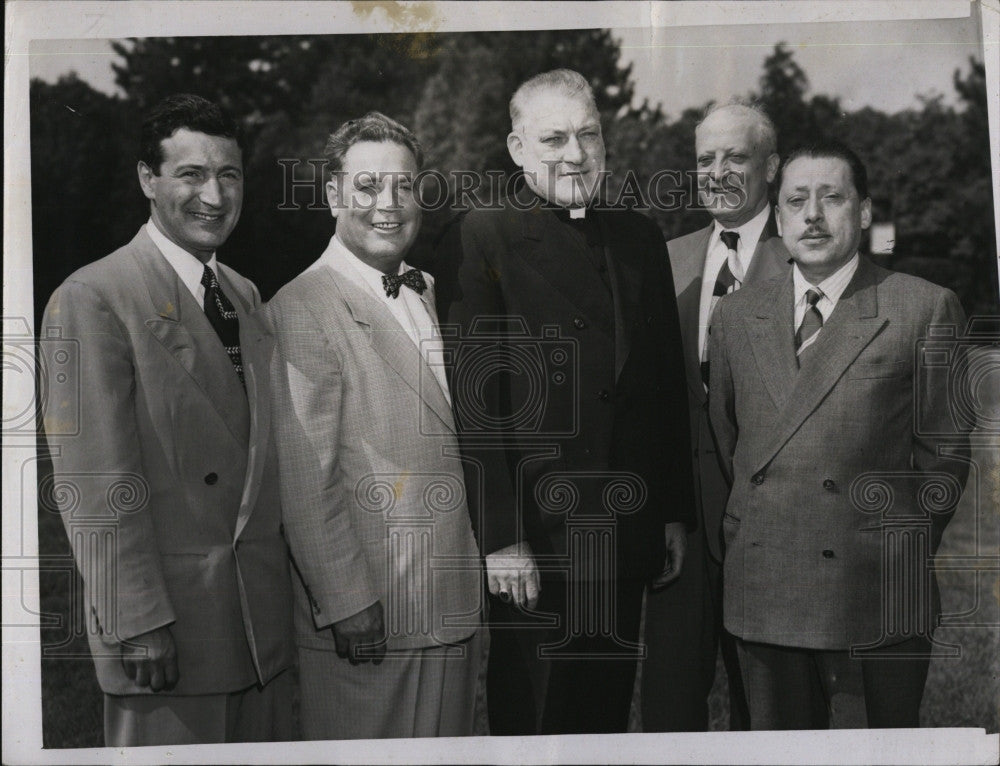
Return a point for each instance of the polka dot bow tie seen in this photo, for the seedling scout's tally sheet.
(412, 279)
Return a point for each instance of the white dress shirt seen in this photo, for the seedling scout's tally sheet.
(187, 266)
(407, 308)
(718, 253)
(831, 289)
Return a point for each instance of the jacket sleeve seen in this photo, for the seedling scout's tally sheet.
(307, 390)
(672, 468)
(98, 479)
(468, 287)
(938, 434)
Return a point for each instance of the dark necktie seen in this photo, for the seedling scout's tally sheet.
(411, 278)
(812, 321)
(222, 315)
(725, 283)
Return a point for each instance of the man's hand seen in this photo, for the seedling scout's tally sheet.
(366, 630)
(150, 659)
(512, 575)
(675, 537)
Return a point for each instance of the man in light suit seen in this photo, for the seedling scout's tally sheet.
(387, 605)
(845, 461)
(569, 390)
(736, 151)
(171, 479)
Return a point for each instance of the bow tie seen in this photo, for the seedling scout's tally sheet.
(411, 278)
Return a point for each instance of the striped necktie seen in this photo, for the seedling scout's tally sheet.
(725, 283)
(812, 323)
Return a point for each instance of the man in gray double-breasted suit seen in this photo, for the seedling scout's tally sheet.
(845, 464)
(388, 574)
(171, 477)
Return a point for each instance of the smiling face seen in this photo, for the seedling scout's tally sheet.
(560, 147)
(197, 192)
(734, 166)
(373, 200)
(821, 215)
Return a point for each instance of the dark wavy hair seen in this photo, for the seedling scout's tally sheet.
(830, 150)
(184, 110)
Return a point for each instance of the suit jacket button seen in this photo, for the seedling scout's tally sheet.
(829, 484)
(603, 395)
(211, 478)
(758, 479)
(579, 324)
(828, 554)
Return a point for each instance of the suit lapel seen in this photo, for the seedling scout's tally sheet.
(688, 264)
(184, 330)
(770, 258)
(851, 327)
(427, 298)
(626, 283)
(254, 348)
(772, 339)
(392, 343)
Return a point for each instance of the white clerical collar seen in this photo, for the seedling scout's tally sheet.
(577, 212)
(188, 267)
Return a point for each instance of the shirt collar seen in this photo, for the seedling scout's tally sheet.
(749, 236)
(832, 287)
(188, 267)
(338, 256)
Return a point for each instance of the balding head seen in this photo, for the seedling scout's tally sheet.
(736, 149)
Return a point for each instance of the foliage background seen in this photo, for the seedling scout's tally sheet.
(929, 169)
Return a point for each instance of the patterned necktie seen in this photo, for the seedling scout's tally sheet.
(411, 278)
(812, 322)
(725, 283)
(222, 315)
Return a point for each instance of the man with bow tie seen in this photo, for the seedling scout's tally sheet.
(387, 604)
(569, 389)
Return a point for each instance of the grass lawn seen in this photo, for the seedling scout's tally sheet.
(961, 691)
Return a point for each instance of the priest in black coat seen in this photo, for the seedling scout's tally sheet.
(567, 378)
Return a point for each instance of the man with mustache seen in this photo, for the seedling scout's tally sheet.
(387, 585)
(177, 526)
(567, 373)
(736, 160)
(833, 433)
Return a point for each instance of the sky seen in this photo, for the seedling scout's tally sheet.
(885, 65)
